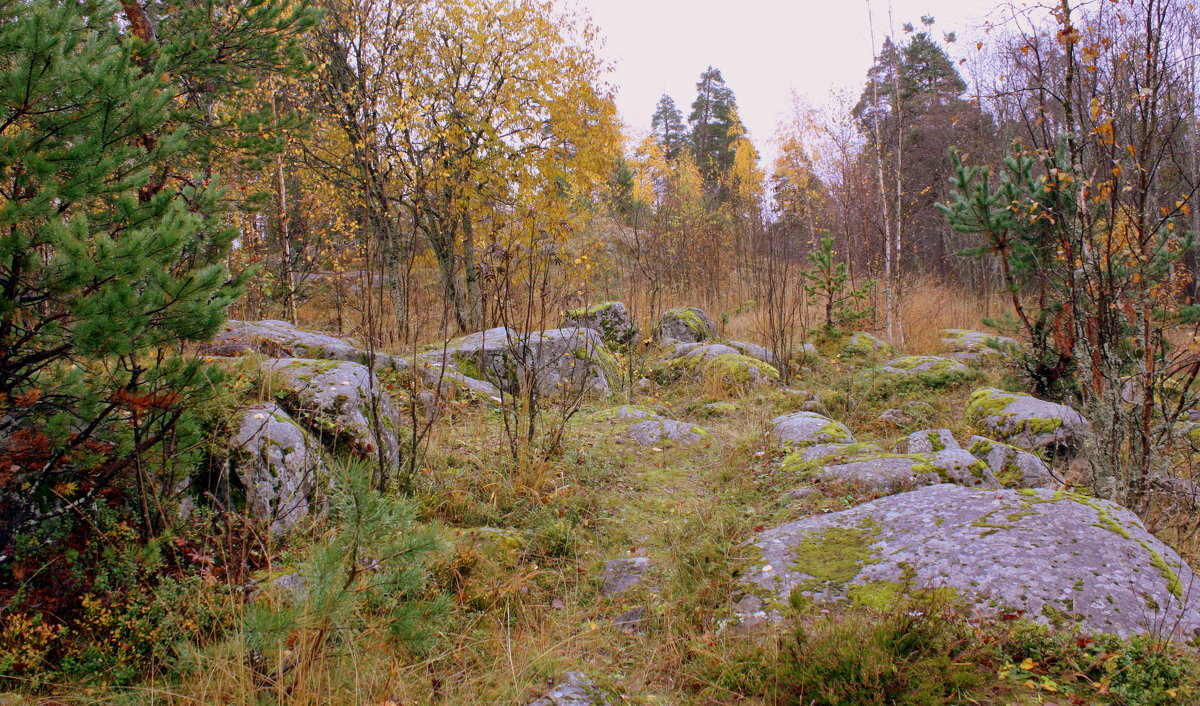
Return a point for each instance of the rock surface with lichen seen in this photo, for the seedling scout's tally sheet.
(963, 344)
(914, 365)
(342, 404)
(279, 466)
(610, 319)
(1057, 557)
(685, 325)
(659, 430)
(865, 467)
(280, 339)
(752, 350)
(564, 360)
(808, 428)
(1027, 422)
(861, 343)
(1013, 467)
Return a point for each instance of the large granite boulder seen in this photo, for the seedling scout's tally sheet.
(800, 429)
(685, 325)
(1057, 557)
(278, 465)
(569, 360)
(610, 319)
(696, 353)
(1028, 422)
(280, 339)
(916, 365)
(1013, 467)
(488, 355)
(649, 428)
(342, 404)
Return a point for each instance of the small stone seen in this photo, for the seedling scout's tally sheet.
(802, 493)
(573, 689)
(894, 416)
(630, 621)
(623, 574)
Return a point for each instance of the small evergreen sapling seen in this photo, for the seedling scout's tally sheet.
(829, 283)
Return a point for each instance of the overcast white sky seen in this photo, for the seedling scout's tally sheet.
(764, 49)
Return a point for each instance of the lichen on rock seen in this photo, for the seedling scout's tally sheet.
(1040, 552)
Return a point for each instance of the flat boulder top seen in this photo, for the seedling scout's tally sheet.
(966, 341)
(1057, 557)
(918, 364)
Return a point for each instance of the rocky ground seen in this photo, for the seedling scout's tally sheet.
(703, 505)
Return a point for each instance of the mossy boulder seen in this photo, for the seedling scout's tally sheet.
(342, 404)
(719, 409)
(685, 325)
(279, 467)
(739, 371)
(1055, 557)
(800, 429)
(649, 428)
(917, 365)
(610, 319)
(691, 355)
(862, 344)
(567, 360)
(1013, 467)
(1028, 422)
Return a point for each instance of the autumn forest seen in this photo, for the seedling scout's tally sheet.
(365, 351)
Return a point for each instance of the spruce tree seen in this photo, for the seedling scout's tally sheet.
(113, 241)
(668, 128)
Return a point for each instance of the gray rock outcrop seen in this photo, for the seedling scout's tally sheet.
(1013, 467)
(280, 339)
(913, 365)
(1028, 422)
(1059, 558)
(279, 466)
(685, 325)
(808, 428)
(342, 405)
(610, 319)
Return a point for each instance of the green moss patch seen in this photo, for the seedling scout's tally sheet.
(834, 557)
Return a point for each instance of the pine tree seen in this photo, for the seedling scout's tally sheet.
(829, 283)
(113, 242)
(667, 127)
(927, 73)
(713, 120)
